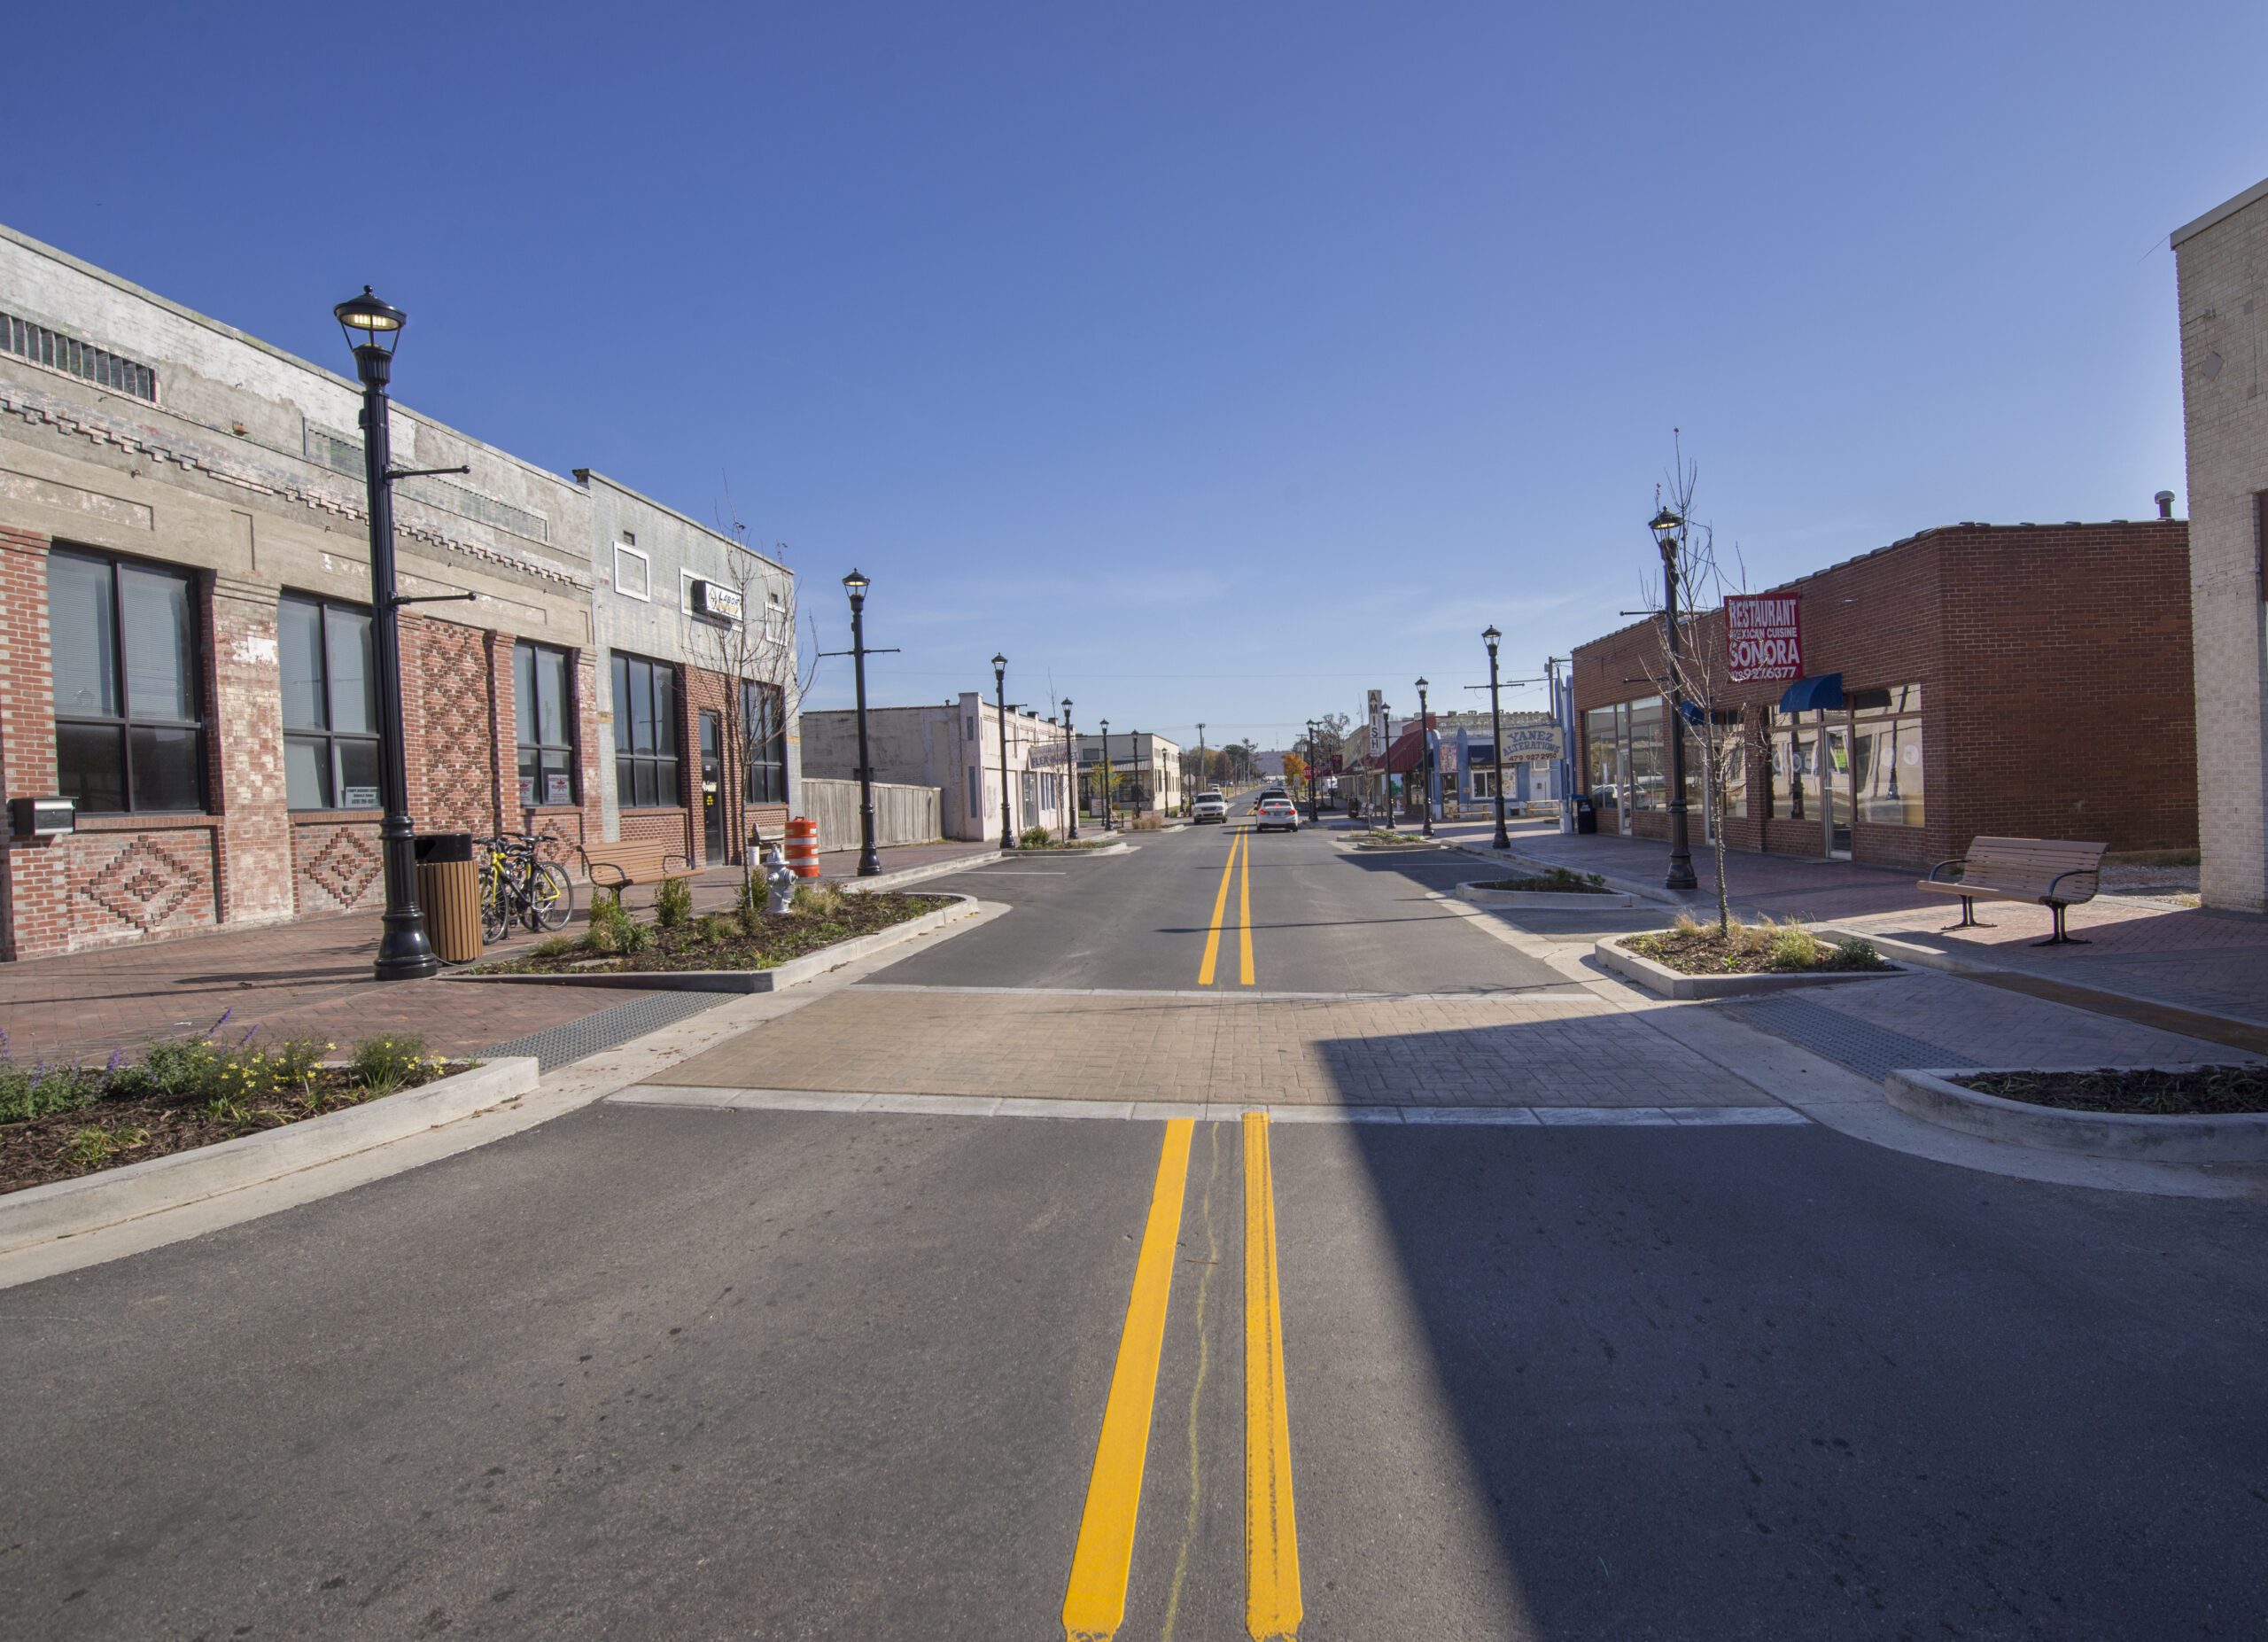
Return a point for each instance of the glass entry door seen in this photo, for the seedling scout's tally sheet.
(1834, 784)
(712, 784)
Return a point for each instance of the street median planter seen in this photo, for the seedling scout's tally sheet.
(1674, 984)
(794, 972)
(70, 1208)
(1480, 894)
(1932, 1096)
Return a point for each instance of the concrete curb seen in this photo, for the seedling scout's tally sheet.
(904, 876)
(1932, 1096)
(69, 1207)
(1555, 900)
(795, 972)
(1537, 864)
(1659, 977)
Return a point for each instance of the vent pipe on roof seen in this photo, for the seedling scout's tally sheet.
(2165, 504)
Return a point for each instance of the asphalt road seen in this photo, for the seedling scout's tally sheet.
(646, 1371)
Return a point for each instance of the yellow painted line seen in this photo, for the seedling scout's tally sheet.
(1220, 911)
(1244, 916)
(1272, 1536)
(1094, 1605)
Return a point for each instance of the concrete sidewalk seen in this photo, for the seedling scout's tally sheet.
(312, 977)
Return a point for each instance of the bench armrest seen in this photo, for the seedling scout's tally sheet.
(683, 860)
(2076, 872)
(1957, 860)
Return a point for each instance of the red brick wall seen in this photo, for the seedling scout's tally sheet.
(32, 912)
(2053, 662)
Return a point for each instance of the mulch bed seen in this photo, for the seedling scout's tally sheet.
(1555, 883)
(1708, 951)
(2201, 1091)
(136, 1128)
(778, 937)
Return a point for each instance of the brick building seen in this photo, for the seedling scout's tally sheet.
(2222, 267)
(184, 624)
(2025, 679)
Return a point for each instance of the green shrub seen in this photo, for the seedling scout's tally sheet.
(608, 929)
(29, 1092)
(554, 947)
(382, 1065)
(636, 937)
(1791, 945)
(715, 929)
(819, 899)
(673, 903)
(1033, 838)
(1859, 952)
(90, 1149)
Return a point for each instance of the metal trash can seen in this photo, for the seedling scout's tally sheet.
(1586, 815)
(448, 895)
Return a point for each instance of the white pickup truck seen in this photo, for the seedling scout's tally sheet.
(1208, 807)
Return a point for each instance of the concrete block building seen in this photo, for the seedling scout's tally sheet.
(2032, 681)
(2221, 262)
(954, 747)
(1145, 773)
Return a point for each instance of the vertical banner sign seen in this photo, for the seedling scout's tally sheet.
(1764, 637)
(1378, 721)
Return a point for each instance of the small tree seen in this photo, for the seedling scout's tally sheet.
(1295, 769)
(756, 654)
(1694, 668)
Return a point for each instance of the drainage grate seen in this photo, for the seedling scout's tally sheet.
(1869, 1050)
(563, 1046)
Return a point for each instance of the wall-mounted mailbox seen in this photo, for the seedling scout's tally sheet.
(41, 818)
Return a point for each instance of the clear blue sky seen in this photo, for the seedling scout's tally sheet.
(1212, 360)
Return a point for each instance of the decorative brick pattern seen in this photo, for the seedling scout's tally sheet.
(244, 693)
(126, 885)
(336, 866)
(457, 755)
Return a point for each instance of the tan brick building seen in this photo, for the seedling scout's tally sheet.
(2023, 680)
(2222, 265)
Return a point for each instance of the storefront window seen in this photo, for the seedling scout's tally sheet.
(1886, 755)
(544, 708)
(1732, 757)
(645, 733)
(1794, 752)
(1649, 785)
(1601, 762)
(128, 677)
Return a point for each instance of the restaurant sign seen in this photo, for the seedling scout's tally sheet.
(1764, 637)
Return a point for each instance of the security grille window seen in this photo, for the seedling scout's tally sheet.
(52, 348)
(1886, 755)
(330, 705)
(543, 706)
(765, 707)
(645, 733)
(129, 733)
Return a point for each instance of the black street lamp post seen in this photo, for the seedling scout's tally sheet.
(1204, 774)
(1000, 699)
(1668, 528)
(870, 861)
(1070, 772)
(1492, 638)
(1134, 756)
(404, 953)
(1313, 814)
(1105, 776)
(1425, 754)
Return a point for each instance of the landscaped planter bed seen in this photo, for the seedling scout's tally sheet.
(1695, 961)
(722, 942)
(185, 1095)
(2181, 1114)
(1558, 889)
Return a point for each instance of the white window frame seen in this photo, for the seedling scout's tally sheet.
(645, 594)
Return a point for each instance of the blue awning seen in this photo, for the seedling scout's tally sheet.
(1823, 691)
(1691, 712)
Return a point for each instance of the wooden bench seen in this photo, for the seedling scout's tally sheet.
(633, 860)
(2054, 873)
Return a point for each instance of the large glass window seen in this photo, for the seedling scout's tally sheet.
(128, 733)
(1886, 755)
(1795, 750)
(1731, 735)
(645, 733)
(1649, 782)
(544, 707)
(1603, 760)
(767, 719)
(331, 709)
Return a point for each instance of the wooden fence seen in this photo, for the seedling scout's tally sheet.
(902, 814)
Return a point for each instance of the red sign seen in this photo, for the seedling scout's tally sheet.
(1764, 637)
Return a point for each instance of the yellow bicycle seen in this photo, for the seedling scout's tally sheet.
(515, 882)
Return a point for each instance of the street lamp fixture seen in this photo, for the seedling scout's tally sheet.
(1492, 638)
(404, 953)
(870, 860)
(1000, 700)
(1425, 752)
(1070, 774)
(1669, 532)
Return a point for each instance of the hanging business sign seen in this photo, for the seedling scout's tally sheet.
(716, 602)
(1378, 737)
(1764, 637)
(1526, 742)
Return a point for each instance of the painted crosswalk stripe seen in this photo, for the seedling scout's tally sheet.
(1271, 1538)
(1094, 1604)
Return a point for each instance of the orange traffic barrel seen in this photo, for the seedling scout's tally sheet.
(803, 847)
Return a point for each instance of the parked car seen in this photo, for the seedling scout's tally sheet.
(1208, 807)
(1277, 812)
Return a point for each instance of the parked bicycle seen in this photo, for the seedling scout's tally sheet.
(515, 882)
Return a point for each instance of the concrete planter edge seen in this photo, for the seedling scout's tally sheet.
(1571, 900)
(795, 972)
(61, 1209)
(1671, 984)
(1930, 1094)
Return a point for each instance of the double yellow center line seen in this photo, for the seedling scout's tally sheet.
(1094, 1604)
(1240, 852)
